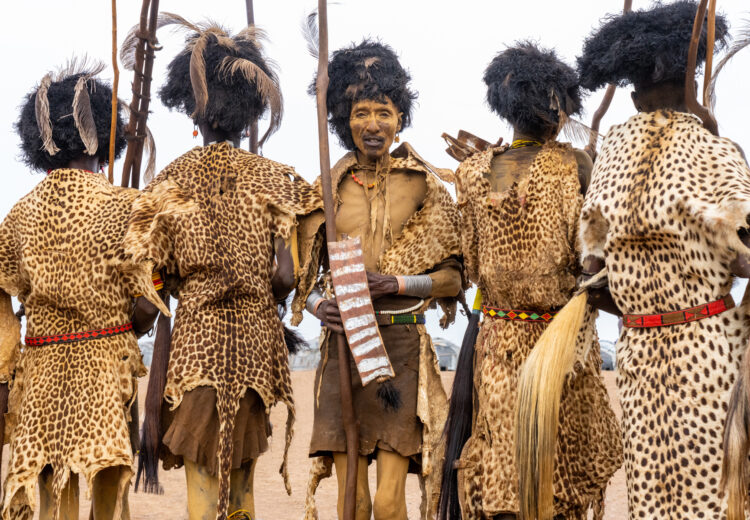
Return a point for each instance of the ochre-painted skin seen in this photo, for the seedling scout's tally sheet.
(103, 496)
(390, 497)
(203, 491)
(374, 125)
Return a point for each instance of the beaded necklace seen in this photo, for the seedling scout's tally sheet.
(523, 143)
(358, 181)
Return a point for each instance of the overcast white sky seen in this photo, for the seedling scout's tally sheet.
(445, 45)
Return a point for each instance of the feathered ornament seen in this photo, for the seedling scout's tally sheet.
(41, 105)
(310, 33)
(741, 41)
(83, 117)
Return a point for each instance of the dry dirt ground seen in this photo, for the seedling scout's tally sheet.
(272, 502)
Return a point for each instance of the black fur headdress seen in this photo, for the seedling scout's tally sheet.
(529, 87)
(220, 79)
(644, 47)
(369, 70)
(67, 116)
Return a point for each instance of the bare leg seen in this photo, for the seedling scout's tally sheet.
(390, 498)
(104, 493)
(364, 504)
(241, 489)
(202, 492)
(68, 498)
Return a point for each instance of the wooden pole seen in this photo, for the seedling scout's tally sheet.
(609, 94)
(691, 96)
(115, 84)
(135, 132)
(711, 37)
(351, 427)
(253, 145)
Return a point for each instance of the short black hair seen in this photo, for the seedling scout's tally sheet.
(522, 84)
(233, 102)
(645, 47)
(369, 70)
(64, 132)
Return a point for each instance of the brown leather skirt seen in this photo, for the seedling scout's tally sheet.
(399, 430)
(192, 430)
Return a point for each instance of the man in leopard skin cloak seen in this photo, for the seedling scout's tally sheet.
(222, 223)
(409, 227)
(663, 216)
(74, 383)
(519, 206)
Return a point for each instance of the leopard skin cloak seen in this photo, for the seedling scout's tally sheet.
(520, 249)
(666, 200)
(429, 237)
(209, 218)
(69, 403)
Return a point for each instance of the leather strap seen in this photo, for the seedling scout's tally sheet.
(642, 321)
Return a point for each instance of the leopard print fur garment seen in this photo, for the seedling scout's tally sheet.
(520, 249)
(428, 238)
(666, 200)
(69, 404)
(210, 219)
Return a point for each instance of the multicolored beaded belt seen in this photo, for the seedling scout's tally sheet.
(40, 341)
(400, 319)
(642, 321)
(518, 315)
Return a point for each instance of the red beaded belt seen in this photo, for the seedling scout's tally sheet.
(641, 321)
(39, 341)
(518, 315)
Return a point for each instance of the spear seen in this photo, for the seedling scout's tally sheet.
(254, 125)
(115, 83)
(135, 132)
(351, 427)
(691, 97)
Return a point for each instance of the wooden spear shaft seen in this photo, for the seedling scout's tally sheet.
(351, 427)
(254, 125)
(115, 84)
(691, 97)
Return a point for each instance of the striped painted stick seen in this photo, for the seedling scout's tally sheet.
(357, 313)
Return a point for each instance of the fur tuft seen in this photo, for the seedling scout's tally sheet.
(737, 446)
(389, 396)
(369, 70)
(526, 85)
(458, 424)
(645, 47)
(293, 340)
(151, 433)
(233, 82)
(540, 387)
(61, 129)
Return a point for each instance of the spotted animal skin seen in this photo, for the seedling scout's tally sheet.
(70, 403)
(663, 210)
(520, 249)
(210, 218)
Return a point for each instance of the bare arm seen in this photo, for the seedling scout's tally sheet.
(282, 281)
(585, 167)
(599, 297)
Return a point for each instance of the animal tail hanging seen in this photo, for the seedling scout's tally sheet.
(293, 340)
(540, 389)
(460, 416)
(151, 434)
(737, 445)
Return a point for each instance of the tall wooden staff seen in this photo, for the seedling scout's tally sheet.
(691, 97)
(115, 84)
(135, 132)
(609, 94)
(351, 427)
(254, 126)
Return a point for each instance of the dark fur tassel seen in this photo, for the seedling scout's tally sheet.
(148, 458)
(294, 341)
(389, 396)
(736, 447)
(458, 424)
(3, 410)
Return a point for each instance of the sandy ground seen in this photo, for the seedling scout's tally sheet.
(272, 502)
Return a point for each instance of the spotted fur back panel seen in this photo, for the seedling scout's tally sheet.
(519, 245)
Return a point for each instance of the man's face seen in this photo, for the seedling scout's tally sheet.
(374, 125)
